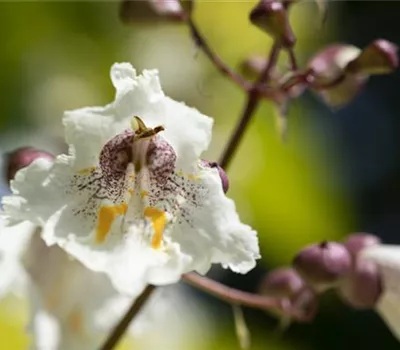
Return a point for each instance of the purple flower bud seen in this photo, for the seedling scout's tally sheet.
(271, 17)
(21, 158)
(332, 82)
(358, 241)
(362, 287)
(282, 282)
(379, 57)
(222, 174)
(322, 265)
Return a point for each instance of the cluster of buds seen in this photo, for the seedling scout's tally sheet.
(337, 73)
(340, 71)
(339, 266)
(297, 299)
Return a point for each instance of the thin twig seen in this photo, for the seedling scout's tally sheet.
(253, 100)
(202, 43)
(231, 295)
(237, 297)
(118, 332)
(292, 59)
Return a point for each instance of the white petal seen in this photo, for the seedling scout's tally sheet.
(186, 129)
(88, 129)
(388, 259)
(132, 263)
(389, 309)
(13, 242)
(214, 234)
(37, 191)
(66, 298)
(44, 327)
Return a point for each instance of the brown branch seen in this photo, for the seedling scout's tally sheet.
(237, 297)
(120, 329)
(292, 59)
(249, 109)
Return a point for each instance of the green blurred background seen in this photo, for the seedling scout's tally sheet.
(57, 55)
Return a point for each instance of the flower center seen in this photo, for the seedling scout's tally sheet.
(135, 164)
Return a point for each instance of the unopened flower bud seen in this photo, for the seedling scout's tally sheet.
(358, 241)
(379, 57)
(134, 11)
(21, 158)
(271, 16)
(328, 63)
(282, 282)
(222, 174)
(362, 287)
(332, 82)
(322, 265)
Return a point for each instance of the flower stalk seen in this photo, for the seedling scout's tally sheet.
(252, 103)
(117, 333)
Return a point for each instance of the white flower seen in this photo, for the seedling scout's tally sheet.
(387, 257)
(75, 308)
(68, 301)
(133, 199)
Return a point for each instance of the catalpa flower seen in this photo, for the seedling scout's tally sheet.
(73, 307)
(67, 300)
(132, 198)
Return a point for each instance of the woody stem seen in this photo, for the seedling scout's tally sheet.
(116, 335)
(253, 100)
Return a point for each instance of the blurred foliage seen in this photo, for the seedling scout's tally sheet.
(56, 56)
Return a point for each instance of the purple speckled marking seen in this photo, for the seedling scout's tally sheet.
(112, 181)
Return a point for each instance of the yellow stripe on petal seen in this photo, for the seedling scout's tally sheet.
(107, 215)
(158, 220)
(87, 171)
